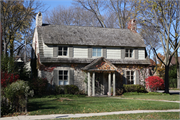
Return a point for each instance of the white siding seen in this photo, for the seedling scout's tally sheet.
(113, 53)
(80, 52)
(141, 54)
(48, 50)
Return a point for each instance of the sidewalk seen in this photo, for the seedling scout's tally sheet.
(54, 116)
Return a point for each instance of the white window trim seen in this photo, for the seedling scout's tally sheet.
(134, 77)
(63, 68)
(133, 54)
(101, 52)
(67, 51)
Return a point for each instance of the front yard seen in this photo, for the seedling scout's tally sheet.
(62, 104)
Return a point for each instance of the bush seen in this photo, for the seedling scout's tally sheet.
(154, 83)
(119, 91)
(134, 88)
(8, 78)
(59, 89)
(17, 94)
(39, 85)
(70, 89)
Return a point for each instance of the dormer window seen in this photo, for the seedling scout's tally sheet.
(96, 52)
(129, 53)
(62, 51)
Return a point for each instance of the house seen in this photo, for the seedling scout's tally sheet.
(92, 58)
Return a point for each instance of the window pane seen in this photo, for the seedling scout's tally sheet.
(60, 48)
(128, 77)
(132, 78)
(65, 73)
(65, 53)
(94, 49)
(98, 54)
(126, 50)
(94, 54)
(65, 48)
(132, 82)
(98, 49)
(128, 82)
(60, 77)
(128, 72)
(60, 53)
(60, 82)
(65, 77)
(126, 55)
(132, 72)
(131, 50)
(66, 83)
(60, 72)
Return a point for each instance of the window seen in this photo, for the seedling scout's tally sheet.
(130, 77)
(96, 52)
(63, 77)
(129, 53)
(62, 51)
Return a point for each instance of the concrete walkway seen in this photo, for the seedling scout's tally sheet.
(54, 116)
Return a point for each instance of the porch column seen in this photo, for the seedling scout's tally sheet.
(93, 84)
(114, 84)
(109, 84)
(89, 84)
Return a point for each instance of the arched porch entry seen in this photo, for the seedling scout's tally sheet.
(103, 70)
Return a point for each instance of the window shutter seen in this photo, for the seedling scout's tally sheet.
(124, 77)
(55, 77)
(137, 77)
(71, 51)
(89, 52)
(71, 77)
(55, 51)
(104, 52)
(122, 53)
(136, 53)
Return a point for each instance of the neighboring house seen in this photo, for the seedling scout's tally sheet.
(89, 57)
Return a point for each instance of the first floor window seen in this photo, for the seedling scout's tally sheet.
(130, 77)
(129, 53)
(63, 77)
(62, 50)
(96, 52)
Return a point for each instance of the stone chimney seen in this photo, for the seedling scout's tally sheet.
(39, 19)
(132, 25)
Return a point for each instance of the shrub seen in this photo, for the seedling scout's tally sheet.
(70, 89)
(8, 78)
(154, 82)
(17, 94)
(59, 89)
(134, 88)
(119, 91)
(39, 85)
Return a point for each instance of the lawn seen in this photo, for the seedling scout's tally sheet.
(141, 116)
(154, 96)
(73, 104)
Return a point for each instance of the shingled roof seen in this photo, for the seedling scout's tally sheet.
(96, 36)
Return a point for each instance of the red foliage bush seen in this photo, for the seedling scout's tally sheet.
(154, 82)
(8, 78)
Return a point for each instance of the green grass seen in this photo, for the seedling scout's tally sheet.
(142, 116)
(75, 104)
(154, 96)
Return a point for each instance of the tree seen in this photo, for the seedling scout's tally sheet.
(162, 16)
(16, 18)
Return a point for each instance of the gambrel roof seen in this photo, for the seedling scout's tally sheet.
(95, 36)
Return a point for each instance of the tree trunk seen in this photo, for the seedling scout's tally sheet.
(177, 66)
(166, 80)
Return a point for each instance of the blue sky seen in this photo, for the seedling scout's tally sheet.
(54, 3)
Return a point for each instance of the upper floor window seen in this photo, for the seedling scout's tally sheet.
(96, 52)
(62, 50)
(130, 77)
(63, 77)
(129, 53)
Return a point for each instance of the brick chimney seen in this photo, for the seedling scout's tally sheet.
(132, 25)
(39, 19)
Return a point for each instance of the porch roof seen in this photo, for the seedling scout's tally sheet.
(101, 65)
